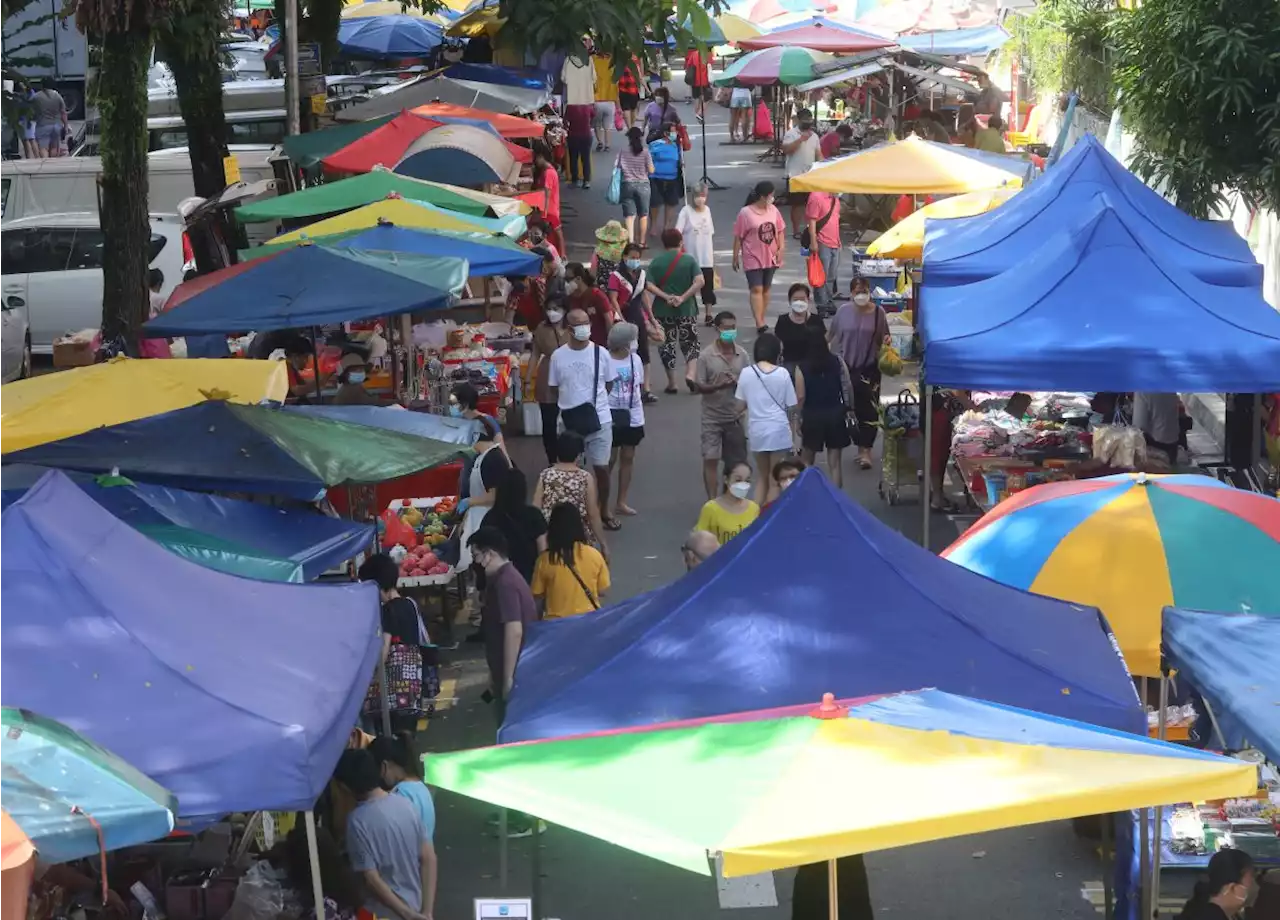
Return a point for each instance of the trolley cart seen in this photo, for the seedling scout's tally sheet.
(903, 447)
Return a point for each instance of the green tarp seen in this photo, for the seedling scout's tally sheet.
(307, 150)
(359, 191)
(224, 555)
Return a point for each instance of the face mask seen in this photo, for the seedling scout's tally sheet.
(455, 410)
(633, 264)
(554, 317)
(355, 377)
(862, 299)
(740, 489)
(582, 333)
(535, 238)
(728, 335)
(785, 484)
(672, 135)
(571, 287)
(806, 125)
(799, 306)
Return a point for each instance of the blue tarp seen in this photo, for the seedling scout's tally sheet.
(310, 286)
(234, 694)
(496, 74)
(395, 36)
(966, 249)
(486, 255)
(420, 424)
(957, 42)
(1099, 306)
(312, 542)
(817, 596)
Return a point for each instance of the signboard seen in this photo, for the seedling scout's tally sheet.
(318, 103)
(504, 909)
(308, 59)
(313, 85)
(231, 172)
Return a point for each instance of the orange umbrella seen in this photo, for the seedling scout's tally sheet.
(508, 126)
(17, 859)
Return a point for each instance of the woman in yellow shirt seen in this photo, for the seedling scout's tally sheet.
(732, 512)
(571, 577)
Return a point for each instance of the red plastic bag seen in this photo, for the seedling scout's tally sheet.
(683, 135)
(817, 274)
(397, 532)
(764, 123)
(619, 124)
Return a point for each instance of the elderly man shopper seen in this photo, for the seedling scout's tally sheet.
(715, 376)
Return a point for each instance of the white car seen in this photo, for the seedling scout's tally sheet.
(15, 342)
(52, 264)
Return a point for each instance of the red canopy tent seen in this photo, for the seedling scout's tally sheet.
(387, 145)
(509, 126)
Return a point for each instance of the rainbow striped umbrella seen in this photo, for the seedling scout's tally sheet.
(1132, 545)
(786, 65)
(805, 784)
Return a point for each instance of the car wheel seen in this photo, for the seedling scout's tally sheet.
(24, 371)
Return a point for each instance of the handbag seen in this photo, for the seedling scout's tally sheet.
(583, 418)
(595, 605)
(806, 238)
(613, 194)
(816, 272)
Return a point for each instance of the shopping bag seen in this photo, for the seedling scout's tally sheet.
(683, 135)
(890, 361)
(613, 194)
(619, 124)
(817, 274)
(764, 123)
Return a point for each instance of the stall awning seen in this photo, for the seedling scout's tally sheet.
(958, 42)
(840, 76)
(912, 167)
(491, 97)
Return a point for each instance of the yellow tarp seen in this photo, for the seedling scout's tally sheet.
(395, 210)
(905, 239)
(68, 403)
(909, 167)
(484, 21)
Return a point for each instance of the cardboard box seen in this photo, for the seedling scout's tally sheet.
(68, 352)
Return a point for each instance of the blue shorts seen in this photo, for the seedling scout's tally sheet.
(760, 277)
(49, 137)
(635, 198)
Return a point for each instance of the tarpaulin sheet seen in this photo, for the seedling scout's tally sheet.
(252, 449)
(1055, 323)
(244, 538)
(816, 597)
(314, 286)
(307, 150)
(404, 212)
(968, 249)
(956, 42)
(527, 77)
(55, 406)
(441, 428)
(234, 694)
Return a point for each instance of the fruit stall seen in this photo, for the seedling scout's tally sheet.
(415, 533)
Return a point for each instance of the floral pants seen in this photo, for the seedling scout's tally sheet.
(685, 330)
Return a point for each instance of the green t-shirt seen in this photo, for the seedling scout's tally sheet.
(678, 281)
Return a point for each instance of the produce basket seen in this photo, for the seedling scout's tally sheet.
(431, 521)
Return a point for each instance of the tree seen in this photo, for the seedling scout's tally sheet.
(188, 40)
(1199, 83)
(125, 27)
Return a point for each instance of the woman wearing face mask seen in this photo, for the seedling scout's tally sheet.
(580, 285)
(488, 466)
(549, 335)
(659, 113)
(796, 328)
(731, 512)
(1224, 894)
(825, 393)
(758, 247)
(666, 183)
(770, 396)
(627, 409)
(626, 287)
(698, 229)
(858, 331)
(536, 237)
(351, 376)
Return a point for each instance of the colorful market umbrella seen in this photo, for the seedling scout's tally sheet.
(768, 790)
(393, 8)
(724, 29)
(56, 406)
(511, 127)
(784, 65)
(70, 797)
(373, 186)
(313, 286)
(905, 239)
(396, 36)
(1132, 545)
(403, 213)
(387, 145)
(482, 17)
(763, 10)
(819, 33)
(911, 167)
(467, 155)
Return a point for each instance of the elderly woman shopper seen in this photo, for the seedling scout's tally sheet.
(858, 331)
(610, 240)
(627, 295)
(698, 229)
(627, 408)
(549, 335)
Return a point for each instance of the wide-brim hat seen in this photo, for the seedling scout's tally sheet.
(612, 232)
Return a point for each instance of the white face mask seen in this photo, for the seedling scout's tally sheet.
(554, 316)
(582, 333)
(785, 484)
(862, 299)
(571, 287)
(740, 489)
(799, 306)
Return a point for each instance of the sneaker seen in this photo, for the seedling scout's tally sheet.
(586, 185)
(599, 147)
(519, 829)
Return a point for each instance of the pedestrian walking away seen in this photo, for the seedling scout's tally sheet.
(758, 247)
(629, 92)
(698, 229)
(572, 576)
(636, 164)
(627, 409)
(523, 525)
(825, 394)
(605, 110)
(715, 375)
(674, 281)
(732, 511)
(579, 123)
(566, 481)
(629, 297)
(769, 395)
(697, 74)
(858, 331)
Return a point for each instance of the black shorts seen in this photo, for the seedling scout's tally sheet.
(796, 198)
(628, 102)
(628, 437)
(824, 428)
(703, 91)
(665, 191)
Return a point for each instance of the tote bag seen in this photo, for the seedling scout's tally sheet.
(613, 194)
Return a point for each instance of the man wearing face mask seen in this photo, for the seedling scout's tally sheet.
(795, 328)
(715, 375)
(579, 380)
(508, 609)
(802, 149)
(548, 335)
(351, 376)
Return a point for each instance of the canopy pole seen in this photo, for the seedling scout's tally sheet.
(1108, 866)
(315, 360)
(1158, 828)
(313, 853)
(926, 409)
(383, 689)
(535, 861)
(1213, 720)
(1144, 839)
(833, 892)
(707, 181)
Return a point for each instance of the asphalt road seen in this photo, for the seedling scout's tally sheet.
(1031, 872)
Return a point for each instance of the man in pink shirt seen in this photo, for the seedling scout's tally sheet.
(831, 141)
(823, 214)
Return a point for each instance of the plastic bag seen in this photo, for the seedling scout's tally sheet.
(890, 361)
(1119, 446)
(259, 896)
(396, 532)
(816, 271)
(613, 194)
(619, 124)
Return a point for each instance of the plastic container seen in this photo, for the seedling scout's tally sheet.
(996, 481)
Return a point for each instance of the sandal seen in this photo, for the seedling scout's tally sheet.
(671, 391)
(625, 510)
(612, 524)
(864, 464)
(943, 506)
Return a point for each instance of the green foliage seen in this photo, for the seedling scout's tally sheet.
(1064, 45)
(1200, 84)
(189, 42)
(17, 55)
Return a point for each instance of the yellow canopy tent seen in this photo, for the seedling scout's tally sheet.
(913, 167)
(390, 8)
(486, 20)
(398, 211)
(905, 239)
(56, 406)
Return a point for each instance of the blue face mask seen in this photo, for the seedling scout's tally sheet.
(356, 377)
(455, 410)
(633, 264)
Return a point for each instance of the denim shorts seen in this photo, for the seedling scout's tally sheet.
(760, 277)
(635, 198)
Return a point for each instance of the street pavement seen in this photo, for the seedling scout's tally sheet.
(1043, 871)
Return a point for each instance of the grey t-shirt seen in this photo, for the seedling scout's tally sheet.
(49, 107)
(386, 834)
(721, 406)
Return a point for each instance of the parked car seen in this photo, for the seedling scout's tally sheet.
(15, 339)
(53, 263)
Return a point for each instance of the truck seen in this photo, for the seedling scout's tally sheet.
(46, 29)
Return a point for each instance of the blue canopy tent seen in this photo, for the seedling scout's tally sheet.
(816, 594)
(1051, 324)
(956, 42)
(441, 428)
(486, 255)
(239, 537)
(966, 249)
(234, 694)
(498, 75)
(394, 36)
(314, 285)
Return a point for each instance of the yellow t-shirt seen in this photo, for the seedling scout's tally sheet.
(724, 525)
(606, 85)
(564, 596)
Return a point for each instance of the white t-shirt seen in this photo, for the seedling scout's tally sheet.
(572, 371)
(768, 396)
(805, 155)
(698, 230)
(579, 82)
(627, 392)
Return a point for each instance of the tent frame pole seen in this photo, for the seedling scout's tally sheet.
(706, 180)
(1213, 720)
(1157, 832)
(383, 690)
(313, 854)
(833, 891)
(1144, 839)
(1108, 867)
(926, 409)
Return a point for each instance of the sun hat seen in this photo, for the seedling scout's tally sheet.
(612, 232)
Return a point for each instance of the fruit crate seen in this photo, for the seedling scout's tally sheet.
(426, 505)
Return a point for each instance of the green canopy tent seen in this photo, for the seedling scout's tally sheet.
(307, 150)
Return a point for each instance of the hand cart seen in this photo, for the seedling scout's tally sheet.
(902, 456)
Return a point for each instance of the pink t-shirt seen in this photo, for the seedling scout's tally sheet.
(551, 182)
(817, 208)
(759, 233)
